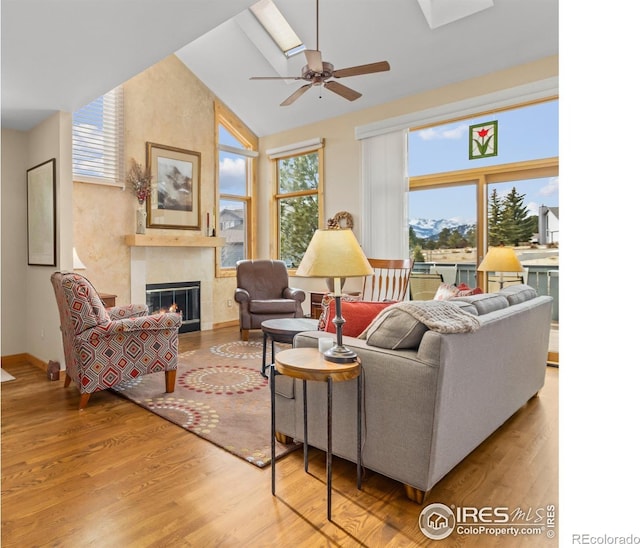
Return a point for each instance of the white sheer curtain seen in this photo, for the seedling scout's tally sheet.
(385, 185)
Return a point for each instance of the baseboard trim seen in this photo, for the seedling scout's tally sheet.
(15, 359)
(226, 324)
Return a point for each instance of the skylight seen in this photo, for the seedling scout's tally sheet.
(277, 27)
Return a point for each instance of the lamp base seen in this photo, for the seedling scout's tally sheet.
(340, 354)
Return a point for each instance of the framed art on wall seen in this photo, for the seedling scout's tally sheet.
(175, 188)
(483, 140)
(41, 214)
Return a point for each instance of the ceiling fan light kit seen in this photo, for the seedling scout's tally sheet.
(319, 73)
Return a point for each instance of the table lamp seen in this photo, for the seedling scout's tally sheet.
(335, 253)
(500, 259)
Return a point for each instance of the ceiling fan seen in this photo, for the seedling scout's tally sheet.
(319, 73)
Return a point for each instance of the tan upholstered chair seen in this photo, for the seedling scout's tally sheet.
(263, 293)
(390, 280)
(423, 287)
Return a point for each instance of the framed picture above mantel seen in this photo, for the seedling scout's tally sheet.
(175, 188)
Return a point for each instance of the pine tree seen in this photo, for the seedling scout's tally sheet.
(517, 225)
(495, 219)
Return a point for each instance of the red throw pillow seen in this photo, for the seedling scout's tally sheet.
(328, 298)
(464, 290)
(358, 315)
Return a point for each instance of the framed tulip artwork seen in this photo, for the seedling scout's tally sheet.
(483, 140)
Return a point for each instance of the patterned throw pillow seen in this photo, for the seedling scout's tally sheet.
(445, 292)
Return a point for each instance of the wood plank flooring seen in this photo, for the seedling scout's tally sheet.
(114, 475)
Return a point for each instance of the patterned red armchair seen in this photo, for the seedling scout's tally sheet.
(106, 346)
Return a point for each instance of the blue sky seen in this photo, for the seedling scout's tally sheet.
(523, 134)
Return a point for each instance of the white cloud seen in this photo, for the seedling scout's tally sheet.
(447, 132)
(551, 187)
(232, 167)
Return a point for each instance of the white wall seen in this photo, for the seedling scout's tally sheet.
(27, 289)
(14, 242)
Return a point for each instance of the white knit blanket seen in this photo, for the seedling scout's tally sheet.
(439, 316)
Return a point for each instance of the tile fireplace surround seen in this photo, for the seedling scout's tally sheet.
(160, 259)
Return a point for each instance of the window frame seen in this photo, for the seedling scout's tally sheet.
(223, 116)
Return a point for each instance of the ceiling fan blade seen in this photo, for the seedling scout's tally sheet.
(381, 66)
(314, 59)
(275, 78)
(295, 95)
(344, 91)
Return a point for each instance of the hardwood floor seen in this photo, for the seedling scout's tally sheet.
(116, 475)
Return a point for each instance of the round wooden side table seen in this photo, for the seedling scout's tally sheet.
(308, 364)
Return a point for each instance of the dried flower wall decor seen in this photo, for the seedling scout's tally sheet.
(139, 181)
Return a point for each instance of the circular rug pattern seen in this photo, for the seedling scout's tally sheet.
(222, 379)
(192, 415)
(240, 350)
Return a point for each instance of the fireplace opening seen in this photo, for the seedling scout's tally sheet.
(181, 297)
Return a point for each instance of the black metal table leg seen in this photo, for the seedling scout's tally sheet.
(272, 384)
(329, 444)
(264, 355)
(359, 415)
(306, 431)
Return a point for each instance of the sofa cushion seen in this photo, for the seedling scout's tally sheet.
(486, 302)
(395, 330)
(467, 307)
(357, 314)
(273, 306)
(518, 293)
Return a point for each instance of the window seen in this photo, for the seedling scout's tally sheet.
(277, 27)
(98, 142)
(458, 207)
(298, 198)
(236, 153)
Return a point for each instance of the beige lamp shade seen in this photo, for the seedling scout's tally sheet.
(334, 253)
(500, 259)
(77, 263)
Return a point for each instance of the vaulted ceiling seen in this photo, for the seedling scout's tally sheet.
(60, 55)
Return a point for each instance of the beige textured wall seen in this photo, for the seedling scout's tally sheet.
(168, 105)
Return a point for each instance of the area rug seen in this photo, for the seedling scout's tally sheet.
(220, 396)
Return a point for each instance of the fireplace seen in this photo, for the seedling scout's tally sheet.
(182, 297)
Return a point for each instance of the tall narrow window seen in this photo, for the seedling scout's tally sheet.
(98, 140)
(297, 201)
(236, 152)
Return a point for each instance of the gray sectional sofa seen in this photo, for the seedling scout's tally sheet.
(426, 407)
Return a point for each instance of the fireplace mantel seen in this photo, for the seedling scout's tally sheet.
(152, 240)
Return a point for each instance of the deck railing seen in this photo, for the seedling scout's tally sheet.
(543, 278)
